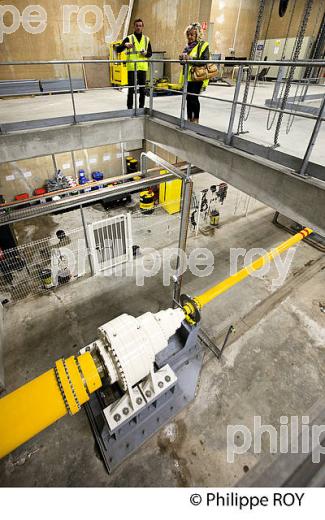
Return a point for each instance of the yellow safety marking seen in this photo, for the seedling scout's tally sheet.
(90, 372)
(76, 380)
(73, 405)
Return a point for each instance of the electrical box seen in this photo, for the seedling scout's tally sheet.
(118, 71)
(272, 50)
(170, 194)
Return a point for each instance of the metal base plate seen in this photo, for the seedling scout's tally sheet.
(184, 355)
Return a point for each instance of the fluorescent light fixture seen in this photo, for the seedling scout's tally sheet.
(10, 177)
(66, 166)
(79, 163)
(27, 174)
(92, 160)
(106, 157)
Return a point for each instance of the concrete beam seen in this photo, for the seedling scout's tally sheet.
(301, 199)
(37, 143)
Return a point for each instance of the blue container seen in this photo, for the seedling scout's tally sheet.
(97, 176)
(82, 177)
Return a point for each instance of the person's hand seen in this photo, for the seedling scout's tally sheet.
(128, 45)
(143, 52)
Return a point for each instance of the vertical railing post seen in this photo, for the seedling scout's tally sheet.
(135, 88)
(184, 96)
(54, 163)
(72, 95)
(74, 167)
(183, 230)
(230, 134)
(313, 138)
(199, 215)
(123, 159)
(151, 89)
(90, 259)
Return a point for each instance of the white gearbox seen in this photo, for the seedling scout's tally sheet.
(127, 348)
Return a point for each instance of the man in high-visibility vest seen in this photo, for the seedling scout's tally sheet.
(138, 48)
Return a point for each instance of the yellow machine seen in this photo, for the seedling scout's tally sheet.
(125, 353)
(170, 194)
(118, 71)
(214, 217)
(175, 86)
(147, 202)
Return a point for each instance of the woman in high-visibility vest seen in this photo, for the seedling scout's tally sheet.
(196, 48)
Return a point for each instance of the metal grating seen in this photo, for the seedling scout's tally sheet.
(110, 242)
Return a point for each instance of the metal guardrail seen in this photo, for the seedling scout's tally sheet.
(235, 102)
(285, 63)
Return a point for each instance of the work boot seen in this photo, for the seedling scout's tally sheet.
(195, 121)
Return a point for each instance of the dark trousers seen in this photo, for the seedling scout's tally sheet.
(141, 79)
(193, 102)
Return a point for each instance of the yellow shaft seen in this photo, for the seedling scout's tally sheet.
(220, 288)
(39, 403)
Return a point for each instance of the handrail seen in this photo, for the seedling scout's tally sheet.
(242, 66)
(279, 63)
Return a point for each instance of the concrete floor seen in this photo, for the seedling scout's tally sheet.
(214, 114)
(274, 365)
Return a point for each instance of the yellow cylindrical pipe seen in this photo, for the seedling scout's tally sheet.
(41, 402)
(209, 295)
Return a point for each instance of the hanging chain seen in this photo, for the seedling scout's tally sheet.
(268, 123)
(249, 72)
(310, 68)
(304, 88)
(258, 68)
(299, 42)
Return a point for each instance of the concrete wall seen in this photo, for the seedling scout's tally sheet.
(224, 16)
(2, 380)
(278, 26)
(54, 43)
(165, 22)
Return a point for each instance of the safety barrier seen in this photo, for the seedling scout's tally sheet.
(276, 108)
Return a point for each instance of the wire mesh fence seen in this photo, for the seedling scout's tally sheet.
(42, 266)
(27, 269)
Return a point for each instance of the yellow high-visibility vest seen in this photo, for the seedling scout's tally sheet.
(195, 54)
(135, 54)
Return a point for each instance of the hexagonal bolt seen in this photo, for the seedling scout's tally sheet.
(148, 393)
(138, 400)
(160, 384)
(117, 417)
(125, 411)
(167, 379)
